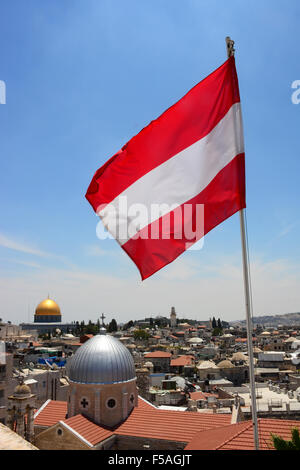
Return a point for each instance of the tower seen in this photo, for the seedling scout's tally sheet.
(102, 381)
(173, 318)
(21, 411)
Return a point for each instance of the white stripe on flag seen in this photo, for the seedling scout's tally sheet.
(177, 180)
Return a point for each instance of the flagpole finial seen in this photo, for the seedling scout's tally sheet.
(230, 47)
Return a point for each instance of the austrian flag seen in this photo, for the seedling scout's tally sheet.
(177, 179)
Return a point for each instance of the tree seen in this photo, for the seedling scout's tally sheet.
(140, 334)
(219, 324)
(281, 444)
(128, 325)
(217, 331)
(214, 323)
(112, 326)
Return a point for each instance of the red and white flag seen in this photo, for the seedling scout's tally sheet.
(189, 161)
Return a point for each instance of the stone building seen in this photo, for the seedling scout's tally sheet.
(102, 381)
(103, 410)
(20, 413)
(173, 319)
(6, 373)
(208, 370)
(237, 374)
(47, 318)
(161, 360)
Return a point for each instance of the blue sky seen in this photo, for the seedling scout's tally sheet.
(83, 77)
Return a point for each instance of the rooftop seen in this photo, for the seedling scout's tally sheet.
(9, 440)
(158, 354)
(145, 421)
(240, 436)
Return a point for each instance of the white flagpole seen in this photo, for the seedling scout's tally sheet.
(230, 52)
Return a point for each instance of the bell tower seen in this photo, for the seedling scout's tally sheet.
(173, 320)
(21, 411)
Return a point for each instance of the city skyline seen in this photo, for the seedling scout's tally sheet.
(79, 84)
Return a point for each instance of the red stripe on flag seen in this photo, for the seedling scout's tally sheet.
(180, 126)
(223, 197)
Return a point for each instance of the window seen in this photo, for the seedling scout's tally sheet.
(59, 432)
(111, 403)
(84, 403)
(131, 399)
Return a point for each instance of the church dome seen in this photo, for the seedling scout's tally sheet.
(102, 359)
(225, 364)
(238, 356)
(22, 390)
(207, 365)
(47, 307)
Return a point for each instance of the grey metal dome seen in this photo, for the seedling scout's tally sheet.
(102, 359)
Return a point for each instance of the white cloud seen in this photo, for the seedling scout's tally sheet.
(85, 295)
(6, 242)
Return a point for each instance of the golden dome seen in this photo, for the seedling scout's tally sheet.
(47, 307)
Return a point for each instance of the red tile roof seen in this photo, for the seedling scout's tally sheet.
(200, 430)
(169, 425)
(50, 413)
(145, 421)
(240, 436)
(145, 405)
(53, 411)
(85, 337)
(182, 361)
(202, 395)
(90, 431)
(158, 354)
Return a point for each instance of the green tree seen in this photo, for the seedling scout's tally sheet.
(219, 324)
(112, 326)
(140, 334)
(214, 323)
(217, 331)
(282, 444)
(128, 325)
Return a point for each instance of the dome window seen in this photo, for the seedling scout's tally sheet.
(111, 403)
